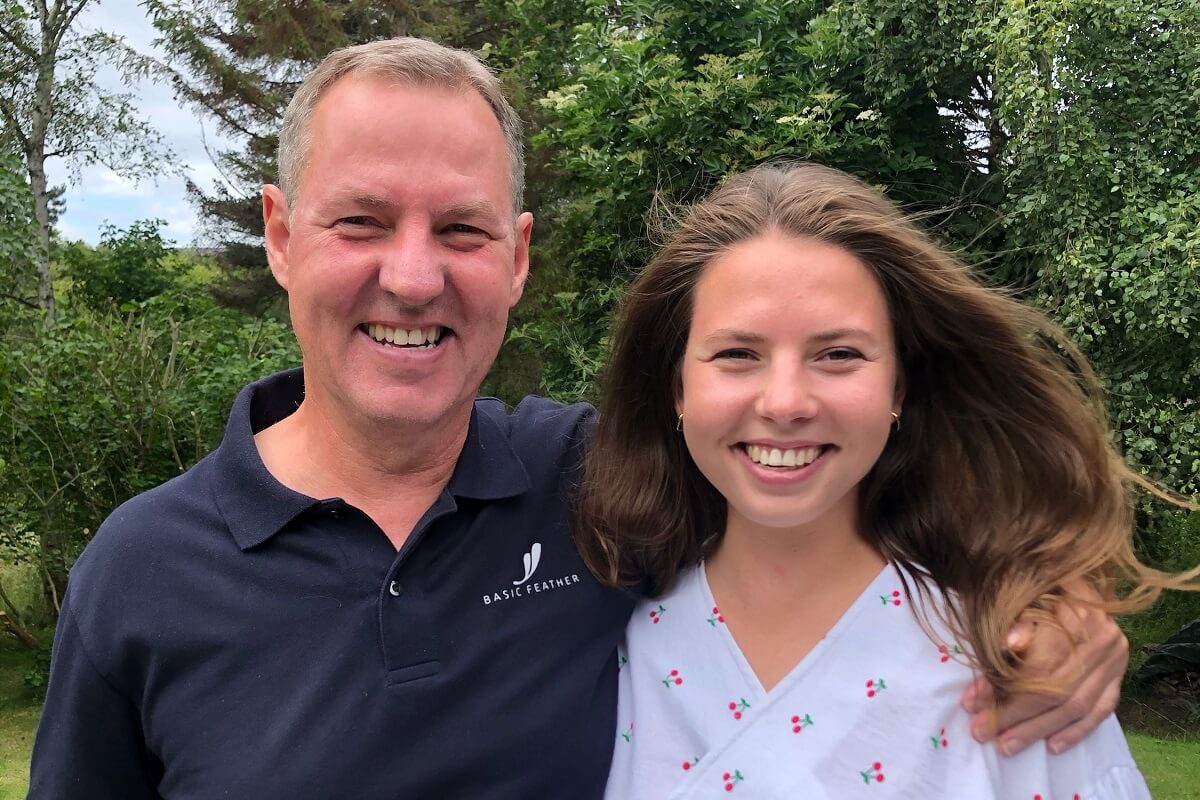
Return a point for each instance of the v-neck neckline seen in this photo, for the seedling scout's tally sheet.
(813, 656)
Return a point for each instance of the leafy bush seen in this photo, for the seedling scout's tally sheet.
(129, 266)
(109, 403)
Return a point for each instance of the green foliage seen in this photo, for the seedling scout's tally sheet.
(1103, 104)
(18, 241)
(128, 267)
(661, 100)
(109, 403)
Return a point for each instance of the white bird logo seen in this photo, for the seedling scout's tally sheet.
(531, 562)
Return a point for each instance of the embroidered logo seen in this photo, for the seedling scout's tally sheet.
(528, 586)
(531, 562)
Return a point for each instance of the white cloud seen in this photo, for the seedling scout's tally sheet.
(101, 196)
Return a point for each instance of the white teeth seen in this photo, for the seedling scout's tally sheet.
(426, 337)
(775, 457)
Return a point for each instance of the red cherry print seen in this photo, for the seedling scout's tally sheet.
(674, 672)
(796, 729)
(732, 706)
(1037, 797)
(870, 684)
(873, 772)
(687, 765)
(871, 693)
(896, 598)
(726, 776)
(737, 715)
(678, 681)
(729, 787)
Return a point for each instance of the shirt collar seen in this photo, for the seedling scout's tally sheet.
(256, 506)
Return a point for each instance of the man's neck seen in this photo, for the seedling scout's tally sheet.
(392, 474)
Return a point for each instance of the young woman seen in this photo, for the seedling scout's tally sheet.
(843, 467)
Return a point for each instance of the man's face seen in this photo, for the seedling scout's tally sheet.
(403, 253)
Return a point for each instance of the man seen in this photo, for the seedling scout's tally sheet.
(369, 589)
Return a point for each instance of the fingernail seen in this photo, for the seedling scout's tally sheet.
(1056, 747)
(1010, 747)
(979, 733)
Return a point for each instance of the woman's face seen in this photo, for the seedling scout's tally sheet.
(789, 379)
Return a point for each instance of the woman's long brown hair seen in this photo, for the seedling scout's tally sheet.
(1001, 489)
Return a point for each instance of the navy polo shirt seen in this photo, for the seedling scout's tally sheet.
(224, 636)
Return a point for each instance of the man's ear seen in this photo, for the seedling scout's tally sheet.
(520, 272)
(276, 232)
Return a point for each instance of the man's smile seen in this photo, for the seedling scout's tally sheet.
(424, 338)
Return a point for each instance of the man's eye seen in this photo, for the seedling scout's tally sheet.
(356, 221)
(462, 227)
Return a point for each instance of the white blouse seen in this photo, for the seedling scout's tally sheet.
(871, 712)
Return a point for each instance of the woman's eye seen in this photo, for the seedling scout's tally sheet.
(734, 354)
(842, 354)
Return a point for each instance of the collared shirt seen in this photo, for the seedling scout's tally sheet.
(225, 636)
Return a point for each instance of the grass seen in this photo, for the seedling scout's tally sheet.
(1171, 765)
(18, 720)
(1166, 745)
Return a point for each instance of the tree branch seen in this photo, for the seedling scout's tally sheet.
(10, 118)
(22, 47)
(21, 300)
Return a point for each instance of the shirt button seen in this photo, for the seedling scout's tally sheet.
(335, 513)
(394, 588)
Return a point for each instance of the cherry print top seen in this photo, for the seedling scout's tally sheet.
(871, 712)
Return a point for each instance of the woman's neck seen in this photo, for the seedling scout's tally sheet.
(781, 590)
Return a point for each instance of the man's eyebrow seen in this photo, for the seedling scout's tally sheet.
(478, 208)
(363, 201)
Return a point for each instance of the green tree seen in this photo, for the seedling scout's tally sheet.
(1102, 104)
(129, 266)
(662, 99)
(18, 241)
(53, 108)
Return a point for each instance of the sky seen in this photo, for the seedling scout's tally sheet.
(100, 196)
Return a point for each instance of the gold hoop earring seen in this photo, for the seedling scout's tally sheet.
(679, 423)
(896, 421)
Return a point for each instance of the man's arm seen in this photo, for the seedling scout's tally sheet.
(89, 741)
(1091, 669)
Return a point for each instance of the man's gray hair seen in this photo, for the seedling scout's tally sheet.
(408, 60)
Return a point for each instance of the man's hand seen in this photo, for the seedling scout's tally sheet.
(1091, 673)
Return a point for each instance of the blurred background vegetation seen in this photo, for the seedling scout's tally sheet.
(1055, 144)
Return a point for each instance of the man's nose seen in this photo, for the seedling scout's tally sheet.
(412, 268)
(786, 394)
